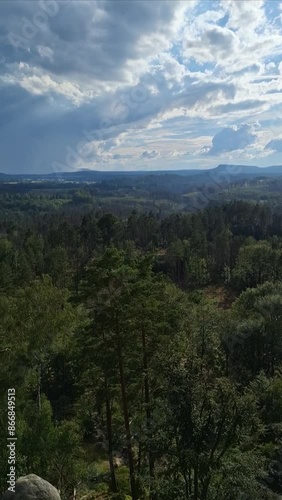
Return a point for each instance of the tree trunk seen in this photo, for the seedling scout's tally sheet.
(139, 458)
(205, 489)
(110, 439)
(39, 387)
(148, 407)
(126, 415)
(190, 481)
(196, 484)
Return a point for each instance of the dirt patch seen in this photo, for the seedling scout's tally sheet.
(223, 296)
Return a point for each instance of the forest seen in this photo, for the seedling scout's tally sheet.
(143, 339)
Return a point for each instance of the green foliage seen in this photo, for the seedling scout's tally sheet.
(130, 381)
(259, 320)
(48, 449)
(256, 264)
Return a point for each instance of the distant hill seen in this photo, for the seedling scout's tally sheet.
(237, 171)
(250, 169)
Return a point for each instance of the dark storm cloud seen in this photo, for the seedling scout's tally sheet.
(87, 38)
(45, 130)
(77, 41)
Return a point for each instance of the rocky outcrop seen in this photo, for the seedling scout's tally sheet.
(32, 487)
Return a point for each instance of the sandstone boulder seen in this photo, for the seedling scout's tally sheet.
(32, 487)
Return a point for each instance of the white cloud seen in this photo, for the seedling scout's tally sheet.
(37, 83)
(44, 51)
(245, 16)
(141, 76)
(212, 44)
(232, 138)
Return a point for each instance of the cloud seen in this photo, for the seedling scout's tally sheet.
(38, 83)
(212, 44)
(239, 107)
(149, 155)
(45, 52)
(81, 37)
(94, 82)
(244, 14)
(232, 139)
(274, 145)
(64, 127)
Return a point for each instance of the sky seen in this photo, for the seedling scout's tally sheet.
(139, 84)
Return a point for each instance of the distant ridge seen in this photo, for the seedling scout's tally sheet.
(248, 169)
(251, 169)
(86, 175)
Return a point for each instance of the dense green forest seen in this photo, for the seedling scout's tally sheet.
(160, 192)
(143, 339)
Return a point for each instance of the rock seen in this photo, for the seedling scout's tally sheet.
(32, 487)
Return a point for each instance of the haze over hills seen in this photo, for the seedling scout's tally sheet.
(234, 171)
